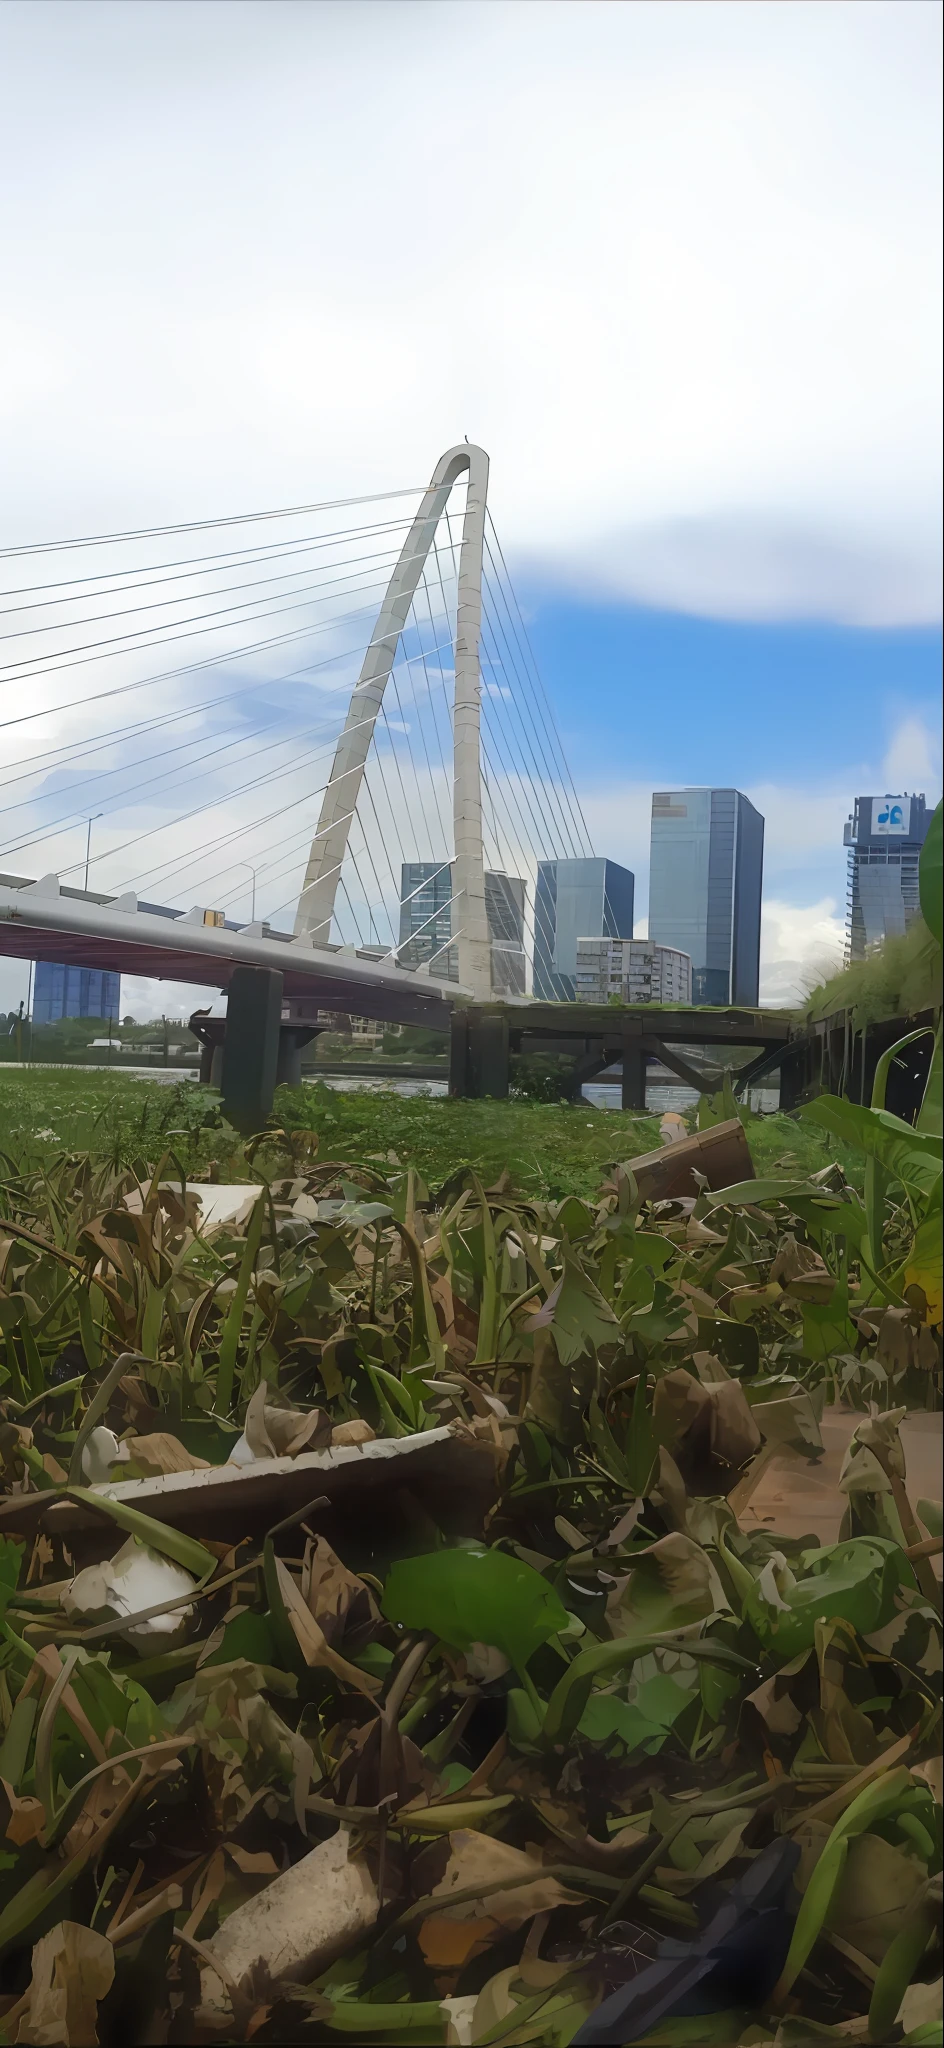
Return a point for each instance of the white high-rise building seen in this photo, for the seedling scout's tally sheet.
(635, 970)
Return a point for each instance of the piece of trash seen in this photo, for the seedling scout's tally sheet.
(298, 1924)
(135, 1579)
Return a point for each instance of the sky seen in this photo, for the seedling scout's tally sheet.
(674, 265)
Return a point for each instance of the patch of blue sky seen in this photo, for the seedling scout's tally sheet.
(718, 702)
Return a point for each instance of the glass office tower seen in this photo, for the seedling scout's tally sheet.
(588, 898)
(60, 991)
(705, 882)
(884, 835)
(426, 908)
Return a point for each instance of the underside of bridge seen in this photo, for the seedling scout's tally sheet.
(485, 1036)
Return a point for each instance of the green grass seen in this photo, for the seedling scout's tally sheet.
(550, 1149)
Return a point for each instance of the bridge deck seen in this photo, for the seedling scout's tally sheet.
(673, 1025)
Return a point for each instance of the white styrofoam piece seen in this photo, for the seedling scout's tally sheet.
(299, 1923)
(219, 1204)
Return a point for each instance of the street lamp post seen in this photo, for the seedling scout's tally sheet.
(88, 841)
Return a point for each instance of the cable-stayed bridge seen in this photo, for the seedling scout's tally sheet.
(329, 715)
(445, 784)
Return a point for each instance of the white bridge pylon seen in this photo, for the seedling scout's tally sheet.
(329, 846)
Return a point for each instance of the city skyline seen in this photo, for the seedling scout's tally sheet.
(726, 556)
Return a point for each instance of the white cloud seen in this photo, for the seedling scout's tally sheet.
(144, 999)
(913, 759)
(674, 266)
(800, 946)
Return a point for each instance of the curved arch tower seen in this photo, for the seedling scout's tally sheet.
(316, 902)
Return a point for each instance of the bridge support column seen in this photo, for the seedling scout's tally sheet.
(634, 1076)
(479, 1059)
(292, 1042)
(251, 1047)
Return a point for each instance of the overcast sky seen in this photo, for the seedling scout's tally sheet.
(674, 265)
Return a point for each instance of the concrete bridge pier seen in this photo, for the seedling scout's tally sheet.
(252, 1050)
(479, 1054)
(634, 1077)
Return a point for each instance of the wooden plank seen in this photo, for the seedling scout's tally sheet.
(453, 1479)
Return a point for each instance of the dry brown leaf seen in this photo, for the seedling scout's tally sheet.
(105, 1795)
(206, 1892)
(26, 1817)
(252, 1864)
(477, 1859)
(73, 1968)
(448, 1943)
(255, 1430)
(160, 1452)
(355, 1432)
(311, 1638)
(332, 1593)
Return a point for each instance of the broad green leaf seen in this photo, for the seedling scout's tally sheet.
(911, 1156)
(873, 1804)
(577, 1314)
(475, 1596)
(247, 1635)
(603, 1660)
(14, 1749)
(666, 1314)
(641, 1724)
(884, 1065)
(854, 1582)
(827, 1329)
(924, 1266)
(642, 1450)
(649, 1249)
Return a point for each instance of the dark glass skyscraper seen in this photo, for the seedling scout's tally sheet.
(588, 898)
(705, 883)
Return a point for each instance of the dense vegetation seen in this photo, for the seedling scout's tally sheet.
(578, 1726)
(465, 1704)
(900, 979)
(550, 1149)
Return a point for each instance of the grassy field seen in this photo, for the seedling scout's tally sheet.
(550, 1149)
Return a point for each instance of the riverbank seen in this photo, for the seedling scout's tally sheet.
(549, 1149)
